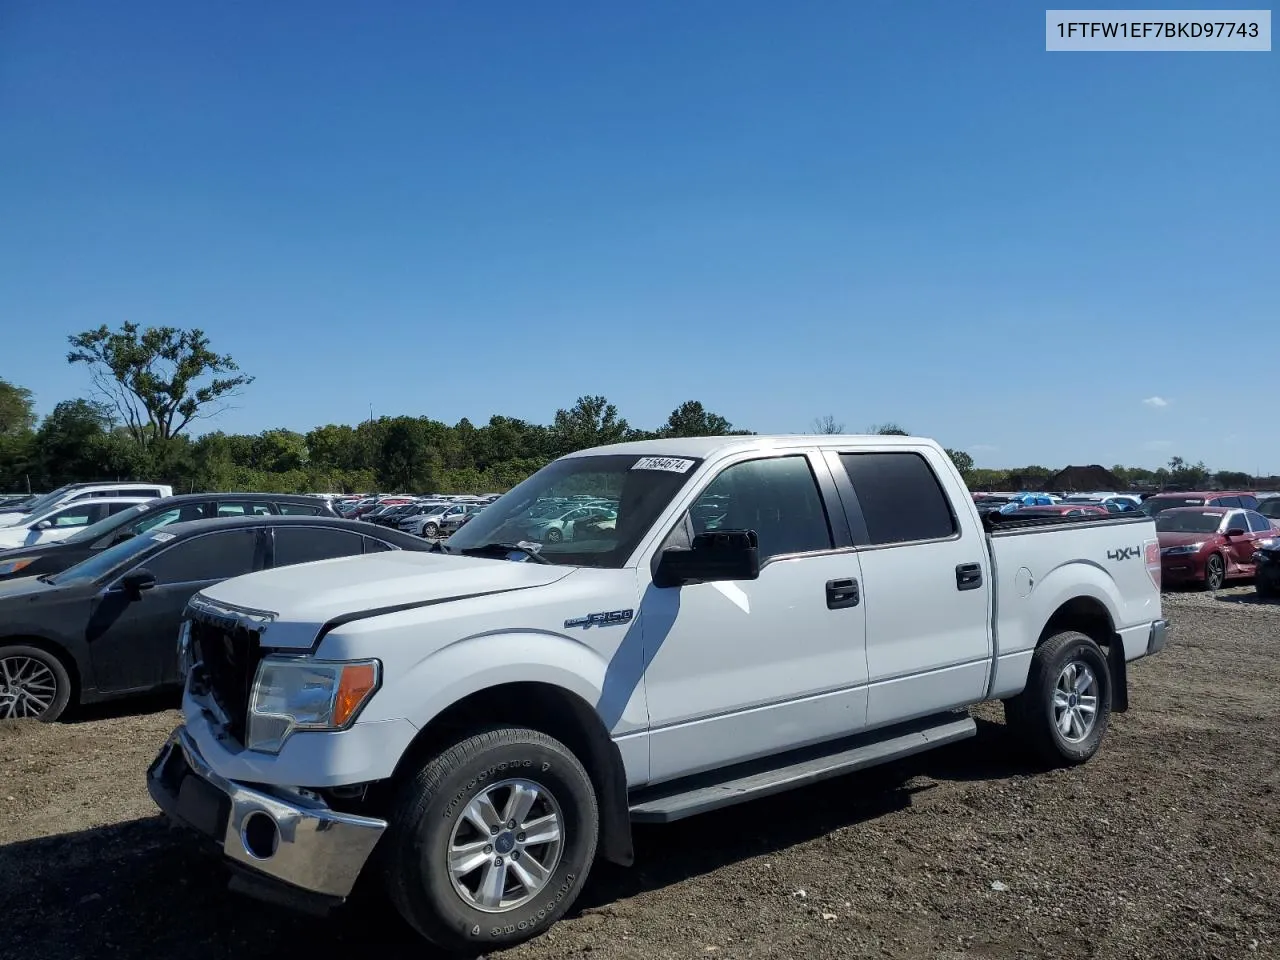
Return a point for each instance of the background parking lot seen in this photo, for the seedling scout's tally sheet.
(1165, 845)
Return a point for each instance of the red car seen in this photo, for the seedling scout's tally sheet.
(1209, 545)
(1063, 510)
(1159, 502)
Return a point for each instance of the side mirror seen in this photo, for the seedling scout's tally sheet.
(122, 536)
(43, 525)
(136, 582)
(715, 555)
(1236, 532)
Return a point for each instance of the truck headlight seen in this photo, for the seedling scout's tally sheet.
(298, 693)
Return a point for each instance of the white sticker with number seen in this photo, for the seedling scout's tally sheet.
(669, 464)
(162, 537)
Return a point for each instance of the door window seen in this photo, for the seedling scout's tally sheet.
(777, 497)
(213, 556)
(297, 509)
(1258, 523)
(305, 544)
(375, 546)
(1226, 501)
(79, 515)
(140, 492)
(243, 509)
(900, 496)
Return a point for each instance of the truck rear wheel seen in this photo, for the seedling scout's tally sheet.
(491, 841)
(1065, 709)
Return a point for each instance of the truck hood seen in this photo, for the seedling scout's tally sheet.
(303, 598)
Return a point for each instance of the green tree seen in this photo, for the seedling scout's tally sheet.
(409, 462)
(888, 430)
(1233, 479)
(691, 419)
(152, 377)
(17, 410)
(73, 442)
(278, 451)
(962, 460)
(590, 422)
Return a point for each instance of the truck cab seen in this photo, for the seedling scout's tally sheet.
(743, 615)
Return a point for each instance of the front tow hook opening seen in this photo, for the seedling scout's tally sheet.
(260, 835)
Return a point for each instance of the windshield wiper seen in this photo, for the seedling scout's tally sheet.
(526, 547)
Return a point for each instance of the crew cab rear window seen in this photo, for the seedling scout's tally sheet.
(900, 497)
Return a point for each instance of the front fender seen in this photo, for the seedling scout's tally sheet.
(613, 686)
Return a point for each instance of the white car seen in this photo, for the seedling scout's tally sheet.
(493, 715)
(61, 522)
(75, 492)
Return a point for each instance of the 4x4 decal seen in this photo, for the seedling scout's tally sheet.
(1124, 553)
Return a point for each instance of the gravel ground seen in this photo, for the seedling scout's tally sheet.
(1165, 845)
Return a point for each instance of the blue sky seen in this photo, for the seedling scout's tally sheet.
(881, 211)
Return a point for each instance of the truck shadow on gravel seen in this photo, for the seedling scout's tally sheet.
(143, 889)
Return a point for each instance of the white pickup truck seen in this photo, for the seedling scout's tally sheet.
(746, 615)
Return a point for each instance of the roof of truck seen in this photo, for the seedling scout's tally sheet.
(703, 447)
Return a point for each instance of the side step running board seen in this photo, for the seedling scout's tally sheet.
(675, 801)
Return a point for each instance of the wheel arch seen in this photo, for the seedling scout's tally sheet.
(1088, 615)
(54, 649)
(557, 712)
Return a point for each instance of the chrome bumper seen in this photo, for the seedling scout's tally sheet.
(1159, 634)
(299, 842)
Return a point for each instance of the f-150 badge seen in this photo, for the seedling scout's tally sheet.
(601, 619)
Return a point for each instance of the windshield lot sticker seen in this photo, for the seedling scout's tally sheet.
(669, 464)
(162, 537)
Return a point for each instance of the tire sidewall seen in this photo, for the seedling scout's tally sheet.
(62, 696)
(551, 770)
(1085, 651)
(429, 530)
(1222, 580)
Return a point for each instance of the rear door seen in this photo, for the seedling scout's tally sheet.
(926, 584)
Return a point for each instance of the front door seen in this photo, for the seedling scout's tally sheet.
(742, 669)
(133, 642)
(926, 585)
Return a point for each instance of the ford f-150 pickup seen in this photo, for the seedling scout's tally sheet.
(475, 725)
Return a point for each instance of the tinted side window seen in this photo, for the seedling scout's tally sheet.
(1270, 507)
(777, 497)
(118, 507)
(901, 498)
(1226, 501)
(375, 546)
(1258, 523)
(1249, 501)
(80, 515)
(297, 509)
(305, 544)
(139, 492)
(242, 509)
(214, 556)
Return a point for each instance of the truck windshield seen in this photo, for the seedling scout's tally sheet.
(585, 511)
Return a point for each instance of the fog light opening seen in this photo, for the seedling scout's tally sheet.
(260, 836)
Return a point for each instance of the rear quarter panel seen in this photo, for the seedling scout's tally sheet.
(1039, 569)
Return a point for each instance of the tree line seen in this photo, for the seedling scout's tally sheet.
(151, 386)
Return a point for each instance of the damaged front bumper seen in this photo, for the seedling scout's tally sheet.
(296, 840)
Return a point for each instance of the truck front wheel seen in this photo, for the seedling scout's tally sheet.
(491, 841)
(1063, 712)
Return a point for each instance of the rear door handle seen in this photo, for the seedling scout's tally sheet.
(841, 594)
(968, 576)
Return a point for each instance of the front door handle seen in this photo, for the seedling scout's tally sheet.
(968, 576)
(841, 594)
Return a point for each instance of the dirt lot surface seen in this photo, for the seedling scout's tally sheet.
(1165, 846)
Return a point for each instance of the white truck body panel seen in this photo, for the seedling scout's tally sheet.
(704, 675)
